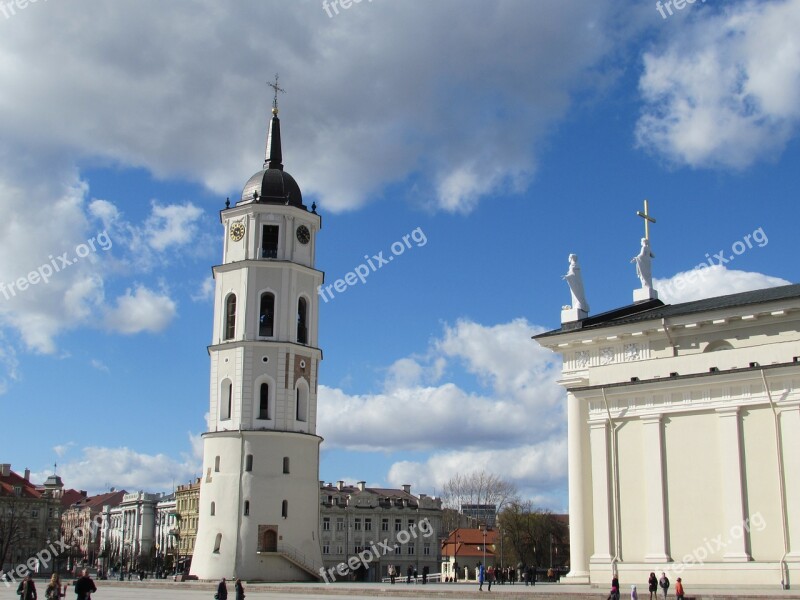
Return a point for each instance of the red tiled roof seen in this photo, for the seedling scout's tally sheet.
(12, 480)
(111, 498)
(70, 497)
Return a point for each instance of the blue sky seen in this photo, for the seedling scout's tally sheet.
(510, 134)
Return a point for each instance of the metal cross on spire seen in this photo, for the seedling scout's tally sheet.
(647, 220)
(277, 89)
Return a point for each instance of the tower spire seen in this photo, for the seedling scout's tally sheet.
(274, 156)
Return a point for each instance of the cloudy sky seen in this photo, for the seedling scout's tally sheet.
(508, 134)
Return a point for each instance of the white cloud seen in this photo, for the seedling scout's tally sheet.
(99, 468)
(99, 365)
(192, 107)
(8, 365)
(516, 415)
(205, 292)
(140, 310)
(62, 449)
(723, 92)
(172, 225)
(709, 282)
(538, 470)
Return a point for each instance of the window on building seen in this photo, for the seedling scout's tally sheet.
(230, 317)
(285, 509)
(367, 524)
(326, 549)
(398, 524)
(358, 524)
(34, 513)
(217, 543)
(286, 464)
(384, 524)
(216, 464)
(269, 241)
(411, 524)
(426, 549)
(248, 462)
(326, 523)
(301, 401)
(302, 321)
(339, 523)
(263, 403)
(397, 549)
(226, 401)
(266, 318)
(213, 508)
(247, 508)
(410, 549)
(339, 550)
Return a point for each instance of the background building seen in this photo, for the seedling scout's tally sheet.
(166, 534)
(684, 439)
(464, 548)
(130, 531)
(187, 501)
(353, 518)
(81, 524)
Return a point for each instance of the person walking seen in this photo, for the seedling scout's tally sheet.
(663, 583)
(27, 589)
(409, 573)
(425, 571)
(634, 593)
(679, 589)
(222, 590)
(652, 586)
(239, 590)
(480, 577)
(54, 591)
(84, 586)
(491, 574)
(392, 573)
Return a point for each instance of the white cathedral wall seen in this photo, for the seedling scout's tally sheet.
(634, 476)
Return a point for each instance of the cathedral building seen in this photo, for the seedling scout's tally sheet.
(684, 439)
(259, 491)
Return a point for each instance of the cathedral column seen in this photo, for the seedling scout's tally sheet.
(579, 566)
(733, 511)
(601, 492)
(655, 499)
(790, 425)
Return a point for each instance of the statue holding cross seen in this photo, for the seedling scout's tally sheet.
(644, 268)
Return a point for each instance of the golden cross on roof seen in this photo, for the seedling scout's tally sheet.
(647, 220)
(277, 89)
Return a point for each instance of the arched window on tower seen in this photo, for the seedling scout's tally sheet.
(230, 317)
(217, 543)
(302, 321)
(301, 401)
(266, 319)
(213, 509)
(226, 400)
(263, 405)
(285, 509)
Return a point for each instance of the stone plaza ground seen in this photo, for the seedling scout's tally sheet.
(159, 590)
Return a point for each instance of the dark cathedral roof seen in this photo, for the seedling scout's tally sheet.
(655, 309)
(272, 184)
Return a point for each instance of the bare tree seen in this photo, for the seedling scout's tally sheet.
(474, 488)
(529, 534)
(13, 520)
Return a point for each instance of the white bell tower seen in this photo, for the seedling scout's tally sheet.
(259, 494)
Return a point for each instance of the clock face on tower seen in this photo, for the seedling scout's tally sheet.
(237, 231)
(303, 234)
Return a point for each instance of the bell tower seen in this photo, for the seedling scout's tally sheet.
(259, 494)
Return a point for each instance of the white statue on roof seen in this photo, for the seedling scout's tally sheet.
(575, 282)
(644, 268)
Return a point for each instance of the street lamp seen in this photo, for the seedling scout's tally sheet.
(455, 556)
(483, 529)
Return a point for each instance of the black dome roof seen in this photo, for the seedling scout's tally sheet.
(273, 186)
